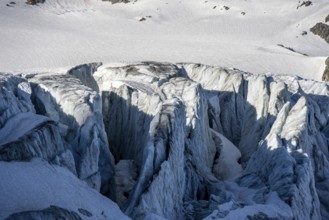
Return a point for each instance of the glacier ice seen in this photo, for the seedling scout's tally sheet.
(174, 141)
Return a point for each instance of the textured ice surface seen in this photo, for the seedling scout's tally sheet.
(188, 141)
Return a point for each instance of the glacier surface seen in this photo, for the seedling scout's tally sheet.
(163, 141)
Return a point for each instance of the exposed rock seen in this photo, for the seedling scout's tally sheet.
(291, 49)
(304, 3)
(307, 3)
(325, 76)
(327, 19)
(51, 213)
(116, 1)
(322, 30)
(34, 2)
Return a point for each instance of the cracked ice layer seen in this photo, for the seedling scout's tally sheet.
(188, 140)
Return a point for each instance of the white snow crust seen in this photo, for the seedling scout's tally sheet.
(65, 33)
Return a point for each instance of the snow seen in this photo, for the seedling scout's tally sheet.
(24, 123)
(36, 185)
(63, 33)
(228, 161)
(248, 207)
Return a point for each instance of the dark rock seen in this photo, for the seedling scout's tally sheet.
(322, 30)
(305, 3)
(304, 33)
(291, 49)
(325, 76)
(51, 213)
(116, 1)
(308, 3)
(327, 61)
(226, 7)
(327, 19)
(142, 19)
(243, 13)
(34, 2)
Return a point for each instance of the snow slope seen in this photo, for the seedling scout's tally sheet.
(63, 33)
(36, 185)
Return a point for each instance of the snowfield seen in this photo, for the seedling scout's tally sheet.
(65, 33)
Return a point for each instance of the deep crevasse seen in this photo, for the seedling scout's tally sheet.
(163, 124)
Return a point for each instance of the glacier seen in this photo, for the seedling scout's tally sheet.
(157, 140)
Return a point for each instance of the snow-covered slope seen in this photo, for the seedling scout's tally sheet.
(36, 185)
(63, 33)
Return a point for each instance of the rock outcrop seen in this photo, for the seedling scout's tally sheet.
(116, 1)
(34, 2)
(322, 30)
(325, 76)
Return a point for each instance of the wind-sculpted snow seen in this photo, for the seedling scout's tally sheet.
(188, 141)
